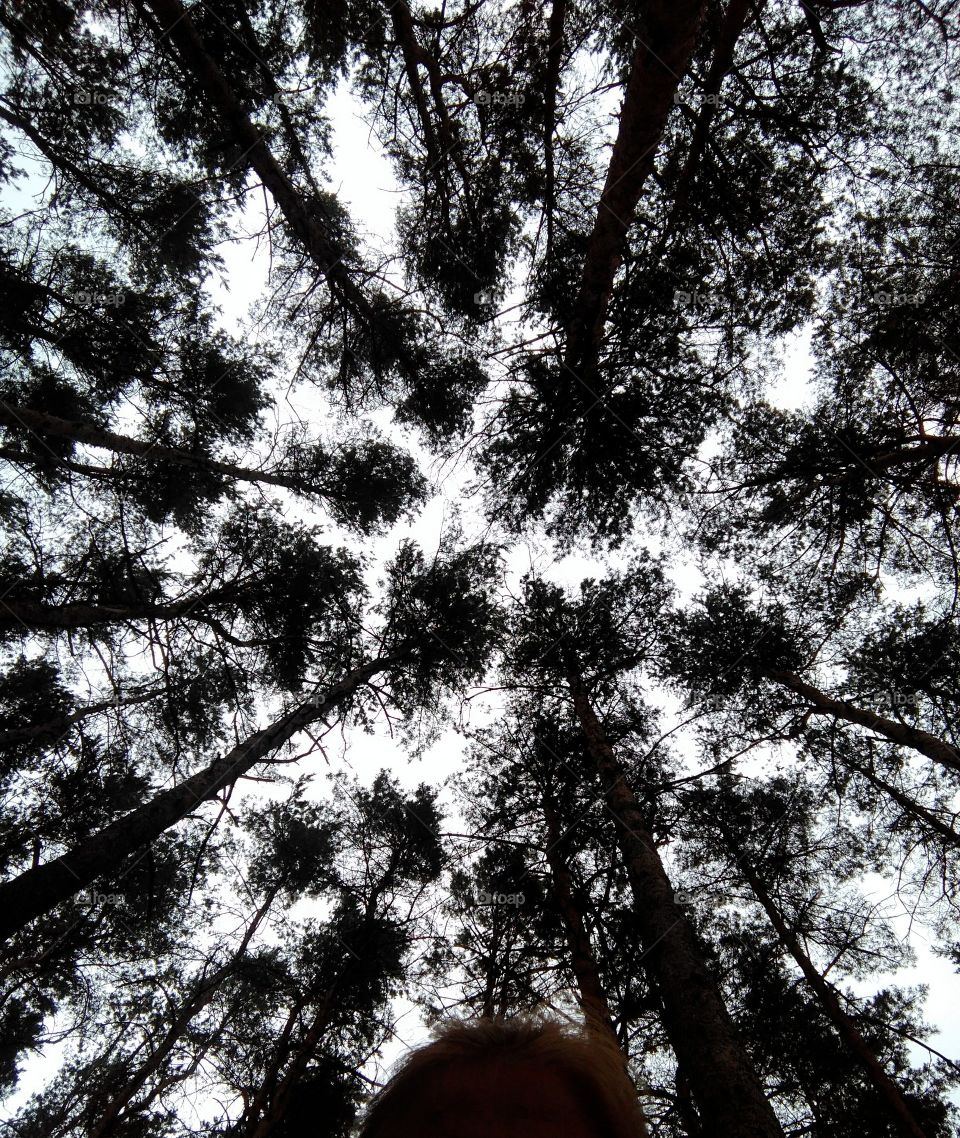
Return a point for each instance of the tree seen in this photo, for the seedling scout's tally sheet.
(579, 645)
(278, 1028)
(797, 872)
(415, 627)
(623, 231)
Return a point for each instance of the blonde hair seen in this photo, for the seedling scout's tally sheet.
(589, 1058)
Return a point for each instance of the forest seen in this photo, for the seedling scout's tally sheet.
(542, 599)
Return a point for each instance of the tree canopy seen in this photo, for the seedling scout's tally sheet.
(537, 593)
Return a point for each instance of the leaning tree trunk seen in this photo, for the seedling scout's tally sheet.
(660, 59)
(280, 1096)
(40, 889)
(91, 434)
(176, 30)
(885, 1087)
(41, 616)
(272, 1100)
(822, 704)
(725, 1086)
(910, 806)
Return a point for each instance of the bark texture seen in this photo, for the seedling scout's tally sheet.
(937, 749)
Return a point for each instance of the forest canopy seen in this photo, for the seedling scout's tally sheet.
(536, 593)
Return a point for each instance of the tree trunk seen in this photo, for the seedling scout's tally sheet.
(662, 54)
(551, 85)
(262, 1118)
(178, 29)
(593, 998)
(491, 972)
(38, 890)
(927, 452)
(846, 1028)
(87, 614)
(689, 1119)
(411, 52)
(930, 450)
(280, 1099)
(253, 1109)
(443, 145)
(725, 1085)
(734, 21)
(922, 741)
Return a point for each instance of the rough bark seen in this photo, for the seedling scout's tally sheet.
(724, 1084)
(661, 58)
(885, 1087)
(937, 749)
(40, 889)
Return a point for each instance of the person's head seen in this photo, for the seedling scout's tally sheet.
(521, 1078)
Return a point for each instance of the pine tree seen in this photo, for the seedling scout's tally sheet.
(616, 222)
